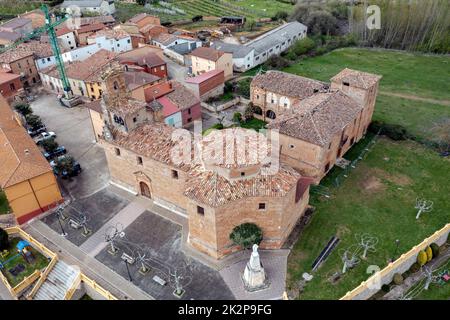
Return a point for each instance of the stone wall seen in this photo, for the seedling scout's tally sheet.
(372, 285)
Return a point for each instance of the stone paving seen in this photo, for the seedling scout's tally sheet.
(123, 219)
(274, 263)
(99, 208)
(161, 241)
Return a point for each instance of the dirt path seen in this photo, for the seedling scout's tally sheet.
(445, 103)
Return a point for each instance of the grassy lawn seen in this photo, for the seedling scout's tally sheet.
(435, 292)
(4, 207)
(425, 76)
(378, 197)
(39, 263)
(415, 74)
(254, 124)
(416, 116)
(267, 7)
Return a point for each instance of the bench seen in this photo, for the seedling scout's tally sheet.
(159, 280)
(74, 224)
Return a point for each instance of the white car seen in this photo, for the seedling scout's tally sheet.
(44, 136)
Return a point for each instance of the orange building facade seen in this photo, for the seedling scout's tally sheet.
(25, 176)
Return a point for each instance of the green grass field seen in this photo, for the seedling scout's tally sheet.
(3, 203)
(378, 197)
(417, 75)
(252, 9)
(421, 75)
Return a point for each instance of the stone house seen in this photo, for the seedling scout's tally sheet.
(144, 19)
(214, 201)
(20, 61)
(206, 59)
(207, 85)
(10, 85)
(318, 122)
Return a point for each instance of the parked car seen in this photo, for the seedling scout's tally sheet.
(44, 136)
(33, 132)
(76, 168)
(61, 150)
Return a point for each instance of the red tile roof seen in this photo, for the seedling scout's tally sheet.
(169, 107)
(204, 76)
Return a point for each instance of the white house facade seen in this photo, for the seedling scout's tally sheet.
(77, 7)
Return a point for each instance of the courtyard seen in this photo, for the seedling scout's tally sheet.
(383, 189)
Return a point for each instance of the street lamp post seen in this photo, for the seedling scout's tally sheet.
(63, 233)
(128, 270)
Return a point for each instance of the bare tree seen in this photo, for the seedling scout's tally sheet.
(423, 205)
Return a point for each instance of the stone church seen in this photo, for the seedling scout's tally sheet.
(214, 193)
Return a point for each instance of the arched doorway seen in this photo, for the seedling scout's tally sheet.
(145, 190)
(258, 110)
(270, 114)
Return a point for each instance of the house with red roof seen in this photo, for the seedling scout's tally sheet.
(207, 85)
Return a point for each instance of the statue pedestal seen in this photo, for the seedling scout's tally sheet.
(254, 276)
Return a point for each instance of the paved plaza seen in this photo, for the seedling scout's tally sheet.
(161, 241)
(98, 208)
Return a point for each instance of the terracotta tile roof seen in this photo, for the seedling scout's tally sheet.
(181, 96)
(256, 151)
(20, 158)
(153, 141)
(97, 19)
(207, 53)
(95, 105)
(15, 23)
(141, 57)
(63, 30)
(139, 17)
(91, 28)
(86, 70)
(214, 190)
(287, 84)
(15, 54)
(138, 79)
(148, 27)
(110, 34)
(204, 77)
(356, 78)
(126, 106)
(39, 48)
(318, 118)
(10, 36)
(6, 77)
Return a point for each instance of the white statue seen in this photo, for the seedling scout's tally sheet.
(254, 276)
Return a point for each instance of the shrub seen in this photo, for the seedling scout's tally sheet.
(243, 87)
(237, 117)
(277, 62)
(393, 131)
(218, 126)
(398, 279)
(429, 253)
(422, 258)
(280, 15)
(290, 55)
(4, 240)
(23, 108)
(33, 120)
(436, 250)
(385, 288)
(50, 145)
(246, 235)
(249, 110)
(303, 46)
(414, 268)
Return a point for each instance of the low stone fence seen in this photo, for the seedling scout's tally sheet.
(221, 107)
(7, 220)
(372, 285)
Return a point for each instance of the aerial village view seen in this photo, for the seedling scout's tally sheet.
(241, 150)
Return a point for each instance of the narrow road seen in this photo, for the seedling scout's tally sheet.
(444, 103)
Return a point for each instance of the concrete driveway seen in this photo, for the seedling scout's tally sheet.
(74, 131)
(176, 72)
